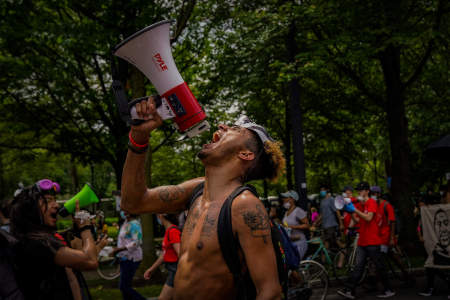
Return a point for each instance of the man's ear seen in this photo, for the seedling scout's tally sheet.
(246, 155)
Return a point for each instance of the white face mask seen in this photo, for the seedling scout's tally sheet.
(374, 197)
(287, 205)
(360, 198)
(344, 195)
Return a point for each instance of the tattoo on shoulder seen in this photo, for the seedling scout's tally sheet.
(169, 194)
(258, 222)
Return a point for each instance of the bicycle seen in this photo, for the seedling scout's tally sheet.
(399, 263)
(108, 267)
(345, 258)
(321, 252)
(309, 281)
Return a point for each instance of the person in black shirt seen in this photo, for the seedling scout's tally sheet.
(44, 262)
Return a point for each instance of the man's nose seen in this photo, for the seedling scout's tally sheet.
(223, 127)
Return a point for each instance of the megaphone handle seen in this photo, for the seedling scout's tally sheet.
(122, 101)
(163, 109)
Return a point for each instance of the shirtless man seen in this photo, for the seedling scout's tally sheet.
(235, 155)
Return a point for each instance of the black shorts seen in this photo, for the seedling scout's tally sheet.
(171, 270)
(329, 234)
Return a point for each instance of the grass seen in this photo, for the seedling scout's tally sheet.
(102, 293)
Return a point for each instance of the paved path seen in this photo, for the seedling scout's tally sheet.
(402, 292)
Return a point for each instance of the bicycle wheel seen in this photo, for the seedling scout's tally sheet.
(108, 267)
(344, 266)
(398, 262)
(312, 283)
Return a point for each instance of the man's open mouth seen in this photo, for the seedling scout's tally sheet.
(54, 215)
(215, 138)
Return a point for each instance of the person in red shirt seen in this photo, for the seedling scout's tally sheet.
(346, 216)
(368, 243)
(387, 223)
(169, 255)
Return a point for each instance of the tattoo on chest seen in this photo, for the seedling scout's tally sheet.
(169, 194)
(258, 222)
(191, 221)
(208, 226)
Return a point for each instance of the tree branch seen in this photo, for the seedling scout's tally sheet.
(183, 18)
(429, 48)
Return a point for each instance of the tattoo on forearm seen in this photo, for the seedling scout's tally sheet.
(258, 222)
(169, 194)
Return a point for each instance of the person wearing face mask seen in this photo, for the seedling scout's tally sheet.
(346, 216)
(368, 243)
(129, 251)
(330, 218)
(375, 192)
(169, 255)
(296, 220)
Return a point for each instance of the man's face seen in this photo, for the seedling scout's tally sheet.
(49, 210)
(363, 193)
(442, 229)
(226, 142)
(287, 200)
(349, 193)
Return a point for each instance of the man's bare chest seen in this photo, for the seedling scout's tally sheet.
(200, 229)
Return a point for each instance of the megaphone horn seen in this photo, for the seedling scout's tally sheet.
(339, 202)
(149, 51)
(85, 197)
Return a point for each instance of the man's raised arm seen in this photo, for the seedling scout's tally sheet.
(136, 197)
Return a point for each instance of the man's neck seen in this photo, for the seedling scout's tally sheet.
(220, 182)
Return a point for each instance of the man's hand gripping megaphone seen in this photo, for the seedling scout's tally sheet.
(146, 110)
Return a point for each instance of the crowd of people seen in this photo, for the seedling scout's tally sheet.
(368, 212)
(201, 263)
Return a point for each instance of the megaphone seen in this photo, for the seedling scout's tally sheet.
(340, 202)
(149, 51)
(86, 197)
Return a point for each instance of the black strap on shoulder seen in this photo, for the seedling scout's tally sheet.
(229, 244)
(197, 192)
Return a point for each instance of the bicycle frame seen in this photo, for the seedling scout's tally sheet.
(354, 247)
(321, 248)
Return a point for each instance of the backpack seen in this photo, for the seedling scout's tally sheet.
(286, 254)
(9, 288)
(397, 226)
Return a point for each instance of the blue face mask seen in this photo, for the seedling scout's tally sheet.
(323, 193)
(159, 221)
(122, 214)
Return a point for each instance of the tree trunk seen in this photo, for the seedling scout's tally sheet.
(398, 137)
(296, 121)
(2, 179)
(74, 176)
(287, 146)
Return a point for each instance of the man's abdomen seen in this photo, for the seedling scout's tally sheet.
(203, 277)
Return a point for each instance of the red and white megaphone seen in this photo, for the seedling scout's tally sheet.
(149, 51)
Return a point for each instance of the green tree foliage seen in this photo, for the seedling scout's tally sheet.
(373, 79)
